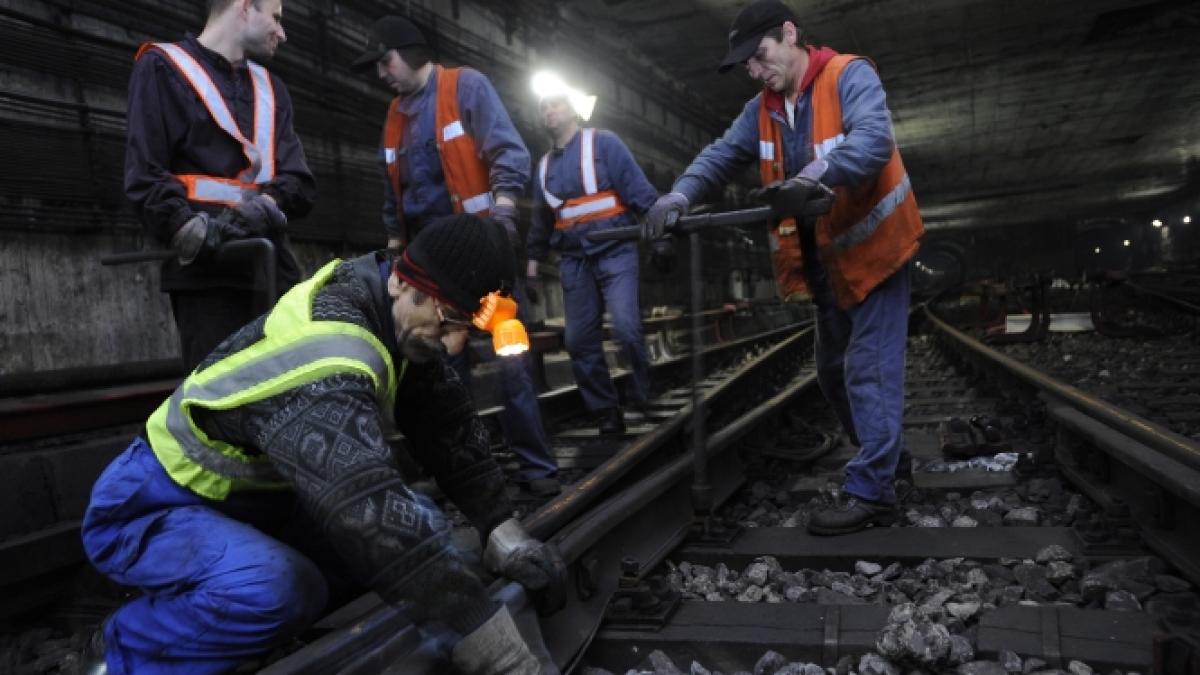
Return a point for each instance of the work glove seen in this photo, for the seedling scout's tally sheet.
(506, 216)
(495, 648)
(201, 236)
(259, 216)
(662, 255)
(798, 197)
(663, 214)
(537, 566)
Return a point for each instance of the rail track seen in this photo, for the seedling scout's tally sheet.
(59, 442)
(1067, 545)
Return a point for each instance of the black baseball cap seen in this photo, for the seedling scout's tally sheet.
(390, 32)
(749, 27)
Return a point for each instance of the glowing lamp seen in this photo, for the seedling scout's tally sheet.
(497, 314)
(546, 84)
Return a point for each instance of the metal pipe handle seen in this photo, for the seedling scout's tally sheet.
(230, 251)
(689, 224)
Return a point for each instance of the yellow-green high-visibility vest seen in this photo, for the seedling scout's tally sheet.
(295, 350)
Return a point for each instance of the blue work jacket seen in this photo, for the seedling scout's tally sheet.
(485, 119)
(615, 170)
(867, 148)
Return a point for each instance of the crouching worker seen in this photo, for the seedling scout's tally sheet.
(265, 478)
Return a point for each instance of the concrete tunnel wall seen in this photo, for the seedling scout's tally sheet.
(62, 102)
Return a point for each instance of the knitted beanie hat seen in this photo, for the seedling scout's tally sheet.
(459, 259)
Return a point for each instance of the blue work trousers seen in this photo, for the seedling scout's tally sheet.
(590, 284)
(217, 589)
(860, 367)
(521, 418)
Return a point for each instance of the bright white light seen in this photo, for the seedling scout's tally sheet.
(1187, 219)
(1156, 222)
(1097, 249)
(547, 84)
(1125, 243)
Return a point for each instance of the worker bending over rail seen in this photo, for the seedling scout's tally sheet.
(264, 484)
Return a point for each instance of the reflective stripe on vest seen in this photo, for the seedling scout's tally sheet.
(594, 204)
(873, 229)
(295, 350)
(260, 153)
(855, 259)
(467, 178)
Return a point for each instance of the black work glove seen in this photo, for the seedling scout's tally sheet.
(537, 566)
(201, 236)
(663, 214)
(259, 216)
(662, 254)
(506, 216)
(797, 197)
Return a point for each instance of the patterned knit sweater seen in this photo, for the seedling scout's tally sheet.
(327, 439)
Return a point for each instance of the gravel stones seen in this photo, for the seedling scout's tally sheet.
(981, 668)
(867, 569)
(1026, 516)
(769, 663)
(961, 650)
(1058, 572)
(1009, 660)
(662, 664)
(1122, 601)
(917, 639)
(874, 664)
(1053, 553)
(1079, 668)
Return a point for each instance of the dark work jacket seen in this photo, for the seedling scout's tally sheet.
(171, 132)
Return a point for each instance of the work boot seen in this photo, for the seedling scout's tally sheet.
(612, 422)
(851, 514)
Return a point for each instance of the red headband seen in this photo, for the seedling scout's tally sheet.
(414, 275)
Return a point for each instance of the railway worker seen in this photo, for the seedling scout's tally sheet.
(586, 183)
(449, 146)
(210, 131)
(267, 469)
(822, 118)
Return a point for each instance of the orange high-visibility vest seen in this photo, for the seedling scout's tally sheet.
(466, 175)
(871, 231)
(594, 203)
(260, 152)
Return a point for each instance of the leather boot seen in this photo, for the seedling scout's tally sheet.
(851, 514)
(612, 422)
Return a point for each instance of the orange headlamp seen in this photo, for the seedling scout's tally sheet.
(497, 314)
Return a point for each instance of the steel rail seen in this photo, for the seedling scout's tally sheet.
(338, 649)
(1175, 302)
(556, 513)
(1155, 436)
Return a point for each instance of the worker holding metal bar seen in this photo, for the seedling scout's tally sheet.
(822, 120)
(449, 146)
(589, 182)
(211, 157)
(264, 485)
